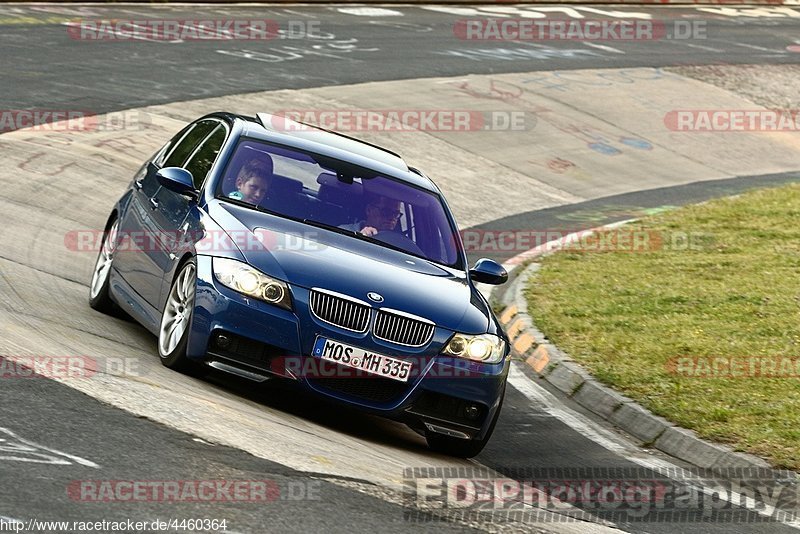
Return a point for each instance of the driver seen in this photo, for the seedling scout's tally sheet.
(383, 214)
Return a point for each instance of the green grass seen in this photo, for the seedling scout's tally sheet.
(735, 292)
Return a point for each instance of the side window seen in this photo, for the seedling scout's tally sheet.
(158, 159)
(180, 153)
(203, 158)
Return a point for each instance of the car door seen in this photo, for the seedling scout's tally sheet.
(135, 262)
(177, 217)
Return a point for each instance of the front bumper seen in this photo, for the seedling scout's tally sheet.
(450, 393)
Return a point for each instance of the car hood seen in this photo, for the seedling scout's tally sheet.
(312, 257)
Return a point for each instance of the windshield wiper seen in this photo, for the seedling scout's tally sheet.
(244, 204)
(387, 245)
(324, 226)
(256, 207)
(358, 235)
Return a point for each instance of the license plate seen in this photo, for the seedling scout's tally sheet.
(364, 360)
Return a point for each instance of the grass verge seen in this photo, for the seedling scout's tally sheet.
(698, 320)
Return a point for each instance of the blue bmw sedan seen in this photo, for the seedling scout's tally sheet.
(271, 249)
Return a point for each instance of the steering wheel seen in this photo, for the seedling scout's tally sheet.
(399, 240)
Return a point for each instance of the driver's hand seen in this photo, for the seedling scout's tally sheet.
(369, 231)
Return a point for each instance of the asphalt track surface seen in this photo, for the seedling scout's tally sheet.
(51, 70)
(44, 68)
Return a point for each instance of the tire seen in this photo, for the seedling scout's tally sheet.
(176, 320)
(462, 448)
(99, 297)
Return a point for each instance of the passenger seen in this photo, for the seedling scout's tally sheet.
(382, 215)
(253, 181)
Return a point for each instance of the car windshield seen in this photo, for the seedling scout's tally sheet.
(342, 197)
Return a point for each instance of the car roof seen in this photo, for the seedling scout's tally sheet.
(282, 130)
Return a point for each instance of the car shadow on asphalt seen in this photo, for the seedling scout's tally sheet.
(283, 395)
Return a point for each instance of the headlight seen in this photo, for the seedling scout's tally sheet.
(485, 348)
(246, 280)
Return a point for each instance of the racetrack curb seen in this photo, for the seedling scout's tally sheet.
(557, 368)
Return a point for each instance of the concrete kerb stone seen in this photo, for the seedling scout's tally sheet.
(639, 422)
(566, 376)
(599, 399)
(515, 292)
(739, 459)
(556, 367)
(685, 444)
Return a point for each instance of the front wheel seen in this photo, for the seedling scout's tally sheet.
(173, 334)
(99, 298)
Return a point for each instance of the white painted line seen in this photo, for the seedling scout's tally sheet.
(610, 441)
(570, 12)
(507, 11)
(604, 47)
(754, 47)
(299, 13)
(546, 402)
(534, 11)
(454, 10)
(756, 12)
(42, 458)
(370, 11)
(76, 459)
(699, 47)
(616, 14)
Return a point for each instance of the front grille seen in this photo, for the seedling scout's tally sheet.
(376, 389)
(402, 328)
(340, 310)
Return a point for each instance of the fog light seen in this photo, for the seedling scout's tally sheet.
(472, 411)
(222, 341)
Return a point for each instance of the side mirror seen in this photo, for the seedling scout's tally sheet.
(488, 272)
(178, 180)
